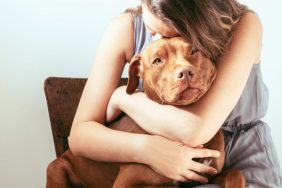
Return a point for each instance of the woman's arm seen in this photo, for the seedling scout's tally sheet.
(197, 123)
(89, 137)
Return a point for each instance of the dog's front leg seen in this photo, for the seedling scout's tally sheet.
(230, 179)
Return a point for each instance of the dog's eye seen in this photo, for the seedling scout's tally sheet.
(157, 61)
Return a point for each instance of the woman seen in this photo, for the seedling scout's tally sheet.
(230, 35)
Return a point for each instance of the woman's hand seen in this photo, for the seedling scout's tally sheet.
(175, 160)
(113, 110)
(169, 158)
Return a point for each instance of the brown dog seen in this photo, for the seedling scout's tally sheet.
(172, 73)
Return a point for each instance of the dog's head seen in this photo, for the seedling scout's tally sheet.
(172, 72)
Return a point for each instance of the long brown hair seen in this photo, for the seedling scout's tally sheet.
(207, 24)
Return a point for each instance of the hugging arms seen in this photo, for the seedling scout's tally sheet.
(192, 125)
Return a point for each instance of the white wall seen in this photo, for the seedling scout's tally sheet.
(41, 38)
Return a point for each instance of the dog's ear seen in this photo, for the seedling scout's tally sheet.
(133, 74)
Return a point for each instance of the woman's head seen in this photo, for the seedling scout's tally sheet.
(156, 26)
(206, 24)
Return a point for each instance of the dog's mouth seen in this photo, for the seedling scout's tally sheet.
(182, 97)
(189, 94)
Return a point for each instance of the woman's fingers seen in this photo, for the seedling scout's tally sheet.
(199, 146)
(203, 169)
(203, 153)
(190, 175)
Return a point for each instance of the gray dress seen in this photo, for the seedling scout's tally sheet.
(249, 145)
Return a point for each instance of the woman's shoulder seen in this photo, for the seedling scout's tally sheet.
(251, 19)
(122, 23)
(121, 28)
(250, 22)
(124, 18)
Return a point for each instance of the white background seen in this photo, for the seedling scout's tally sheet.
(40, 38)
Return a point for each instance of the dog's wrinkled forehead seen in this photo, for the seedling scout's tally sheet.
(164, 47)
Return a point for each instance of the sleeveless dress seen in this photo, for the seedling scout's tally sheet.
(249, 145)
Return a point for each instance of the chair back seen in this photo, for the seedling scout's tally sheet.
(63, 95)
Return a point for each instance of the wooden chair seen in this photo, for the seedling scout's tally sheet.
(62, 95)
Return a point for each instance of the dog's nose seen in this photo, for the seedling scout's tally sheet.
(185, 73)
